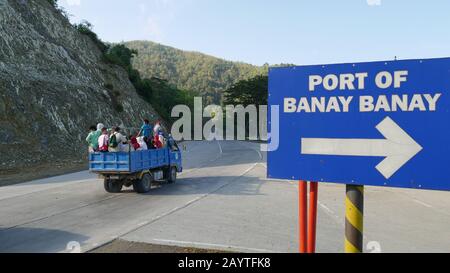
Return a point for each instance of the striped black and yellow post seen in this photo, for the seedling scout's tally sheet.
(354, 203)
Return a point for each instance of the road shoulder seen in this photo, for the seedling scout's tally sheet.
(123, 246)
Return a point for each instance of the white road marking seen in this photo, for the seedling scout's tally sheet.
(263, 164)
(331, 213)
(423, 203)
(327, 209)
(220, 147)
(143, 223)
(249, 169)
(259, 153)
(222, 247)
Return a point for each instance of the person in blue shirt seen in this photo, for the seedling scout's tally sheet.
(146, 129)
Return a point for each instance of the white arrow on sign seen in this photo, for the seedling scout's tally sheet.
(398, 147)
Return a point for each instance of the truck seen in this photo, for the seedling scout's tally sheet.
(138, 169)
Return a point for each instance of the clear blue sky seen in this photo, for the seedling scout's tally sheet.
(285, 31)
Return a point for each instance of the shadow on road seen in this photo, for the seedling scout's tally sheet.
(38, 240)
(222, 185)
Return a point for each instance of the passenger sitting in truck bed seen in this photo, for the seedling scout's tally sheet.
(103, 141)
(149, 142)
(133, 143)
(92, 139)
(157, 142)
(162, 138)
(117, 141)
(142, 143)
(93, 136)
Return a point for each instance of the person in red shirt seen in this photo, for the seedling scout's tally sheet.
(157, 142)
(134, 143)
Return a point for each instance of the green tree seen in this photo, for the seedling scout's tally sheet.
(120, 55)
(247, 92)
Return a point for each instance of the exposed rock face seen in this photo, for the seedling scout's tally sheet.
(53, 85)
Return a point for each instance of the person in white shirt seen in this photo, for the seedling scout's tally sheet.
(103, 141)
(122, 142)
(142, 143)
(162, 139)
(157, 128)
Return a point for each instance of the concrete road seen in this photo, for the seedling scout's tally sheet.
(221, 201)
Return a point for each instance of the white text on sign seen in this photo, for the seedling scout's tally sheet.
(353, 82)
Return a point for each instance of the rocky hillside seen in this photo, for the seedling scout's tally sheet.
(53, 85)
(191, 70)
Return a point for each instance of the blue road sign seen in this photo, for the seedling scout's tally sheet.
(379, 123)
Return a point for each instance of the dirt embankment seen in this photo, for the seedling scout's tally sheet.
(45, 170)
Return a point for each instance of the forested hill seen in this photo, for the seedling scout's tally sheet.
(208, 75)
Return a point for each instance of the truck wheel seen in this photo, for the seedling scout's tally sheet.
(172, 175)
(112, 186)
(143, 185)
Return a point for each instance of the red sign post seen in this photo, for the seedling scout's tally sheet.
(307, 219)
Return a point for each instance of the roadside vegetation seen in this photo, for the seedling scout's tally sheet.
(247, 92)
(157, 92)
(253, 91)
(209, 75)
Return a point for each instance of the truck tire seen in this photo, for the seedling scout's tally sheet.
(171, 175)
(112, 186)
(144, 184)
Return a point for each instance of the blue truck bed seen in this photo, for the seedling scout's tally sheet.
(132, 162)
